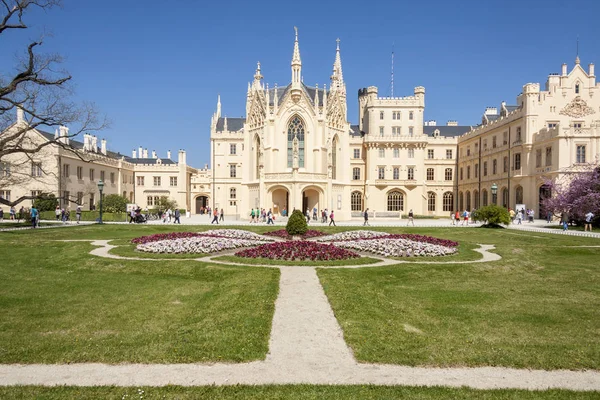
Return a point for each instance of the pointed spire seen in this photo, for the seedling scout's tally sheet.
(275, 99)
(296, 62)
(225, 128)
(577, 61)
(257, 74)
(337, 78)
(316, 95)
(219, 106)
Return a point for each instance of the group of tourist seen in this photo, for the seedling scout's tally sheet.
(217, 216)
(325, 216)
(262, 215)
(461, 218)
(14, 216)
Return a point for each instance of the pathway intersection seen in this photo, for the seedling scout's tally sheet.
(306, 346)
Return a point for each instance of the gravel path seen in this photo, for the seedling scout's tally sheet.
(306, 346)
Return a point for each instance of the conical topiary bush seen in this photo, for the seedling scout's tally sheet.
(296, 224)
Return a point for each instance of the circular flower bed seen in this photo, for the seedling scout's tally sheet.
(199, 242)
(392, 245)
(282, 233)
(298, 250)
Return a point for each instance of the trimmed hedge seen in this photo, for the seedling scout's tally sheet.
(89, 216)
(296, 224)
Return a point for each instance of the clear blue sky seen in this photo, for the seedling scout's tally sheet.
(155, 67)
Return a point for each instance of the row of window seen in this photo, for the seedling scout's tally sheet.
(397, 115)
(410, 173)
(396, 131)
(395, 201)
(464, 200)
(411, 153)
(517, 140)
(156, 180)
(516, 165)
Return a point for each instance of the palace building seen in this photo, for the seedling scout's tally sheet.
(296, 149)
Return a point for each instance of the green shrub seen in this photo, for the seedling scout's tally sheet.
(296, 224)
(47, 203)
(114, 203)
(493, 215)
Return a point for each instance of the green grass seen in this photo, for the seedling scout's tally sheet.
(60, 305)
(268, 261)
(538, 307)
(291, 392)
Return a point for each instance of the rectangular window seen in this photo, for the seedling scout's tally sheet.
(485, 144)
(448, 174)
(518, 138)
(468, 151)
(411, 173)
(4, 169)
(92, 177)
(548, 156)
(149, 201)
(430, 154)
(356, 173)
(92, 201)
(461, 173)
(381, 115)
(396, 152)
(80, 173)
(66, 170)
(538, 158)
(124, 178)
(494, 166)
(36, 169)
(476, 170)
(156, 180)
(494, 142)
(551, 125)
(381, 173)
(79, 198)
(518, 161)
(5, 194)
(381, 153)
(505, 138)
(485, 168)
(232, 171)
(140, 180)
(449, 154)
(232, 149)
(102, 176)
(410, 130)
(411, 153)
(173, 181)
(430, 174)
(381, 131)
(393, 131)
(112, 177)
(468, 172)
(396, 173)
(356, 153)
(232, 193)
(580, 154)
(577, 125)
(66, 197)
(411, 115)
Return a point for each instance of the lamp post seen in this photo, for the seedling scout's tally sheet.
(494, 193)
(100, 188)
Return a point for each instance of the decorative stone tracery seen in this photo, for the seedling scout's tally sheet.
(577, 108)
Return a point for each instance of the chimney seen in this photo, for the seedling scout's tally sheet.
(141, 152)
(94, 144)
(181, 158)
(133, 154)
(592, 72)
(491, 111)
(20, 114)
(169, 154)
(154, 154)
(63, 134)
(205, 166)
(432, 122)
(145, 153)
(452, 123)
(564, 69)
(103, 146)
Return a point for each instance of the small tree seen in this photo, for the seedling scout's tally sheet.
(164, 203)
(296, 224)
(114, 203)
(47, 203)
(493, 215)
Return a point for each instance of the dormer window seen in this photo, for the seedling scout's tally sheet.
(577, 88)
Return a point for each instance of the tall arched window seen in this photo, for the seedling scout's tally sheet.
(468, 200)
(505, 197)
(296, 130)
(461, 203)
(430, 201)
(334, 159)
(395, 201)
(577, 88)
(257, 161)
(519, 195)
(448, 201)
(476, 199)
(484, 197)
(356, 201)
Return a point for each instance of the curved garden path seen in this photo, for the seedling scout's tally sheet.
(306, 346)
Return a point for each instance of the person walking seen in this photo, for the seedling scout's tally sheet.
(57, 213)
(21, 213)
(132, 215)
(1, 214)
(215, 217)
(549, 217)
(519, 217)
(411, 217)
(588, 221)
(252, 215)
(222, 215)
(177, 216)
(12, 213)
(332, 219)
(34, 216)
(270, 217)
(452, 217)
(78, 213)
(366, 215)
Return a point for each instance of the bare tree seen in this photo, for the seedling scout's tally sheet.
(38, 92)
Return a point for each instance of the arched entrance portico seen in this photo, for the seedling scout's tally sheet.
(280, 199)
(311, 199)
(545, 192)
(201, 203)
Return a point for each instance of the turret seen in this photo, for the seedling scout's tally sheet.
(337, 77)
(296, 70)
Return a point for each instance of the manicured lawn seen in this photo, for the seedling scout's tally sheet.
(298, 392)
(538, 307)
(61, 305)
